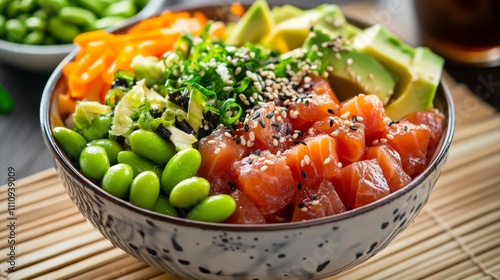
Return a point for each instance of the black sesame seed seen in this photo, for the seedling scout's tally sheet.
(314, 196)
(256, 115)
(406, 128)
(353, 127)
(276, 136)
(299, 186)
(301, 204)
(288, 131)
(261, 122)
(354, 119)
(393, 122)
(303, 173)
(278, 128)
(330, 111)
(332, 121)
(270, 115)
(246, 128)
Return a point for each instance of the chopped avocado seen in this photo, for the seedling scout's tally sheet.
(291, 33)
(281, 13)
(351, 71)
(254, 25)
(419, 95)
(387, 48)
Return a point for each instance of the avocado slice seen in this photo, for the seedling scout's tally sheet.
(354, 71)
(291, 33)
(427, 68)
(388, 49)
(254, 25)
(287, 11)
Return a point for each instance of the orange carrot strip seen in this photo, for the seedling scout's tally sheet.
(237, 9)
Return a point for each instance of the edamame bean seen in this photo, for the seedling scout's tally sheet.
(120, 8)
(118, 179)
(111, 146)
(137, 162)
(34, 38)
(70, 141)
(99, 128)
(61, 30)
(216, 209)
(183, 165)
(145, 190)
(94, 162)
(35, 24)
(151, 146)
(15, 30)
(78, 16)
(163, 206)
(189, 192)
(106, 22)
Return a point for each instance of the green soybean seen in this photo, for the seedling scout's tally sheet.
(216, 209)
(94, 162)
(106, 22)
(118, 179)
(111, 146)
(137, 162)
(35, 24)
(61, 30)
(183, 165)
(99, 128)
(120, 8)
(189, 192)
(151, 146)
(77, 15)
(145, 190)
(163, 206)
(15, 30)
(34, 38)
(70, 141)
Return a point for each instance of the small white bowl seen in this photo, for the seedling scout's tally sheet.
(45, 58)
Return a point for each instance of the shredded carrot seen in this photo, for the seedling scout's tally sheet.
(237, 9)
(101, 54)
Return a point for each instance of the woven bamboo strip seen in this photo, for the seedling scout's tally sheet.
(143, 273)
(486, 125)
(113, 269)
(87, 264)
(51, 238)
(62, 260)
(41, 254)
(165, 277)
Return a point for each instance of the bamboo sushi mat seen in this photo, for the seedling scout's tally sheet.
(456, 236)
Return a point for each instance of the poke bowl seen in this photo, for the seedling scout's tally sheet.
(39, 56)
(295, 226)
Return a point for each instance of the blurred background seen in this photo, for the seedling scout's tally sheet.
(21, 141)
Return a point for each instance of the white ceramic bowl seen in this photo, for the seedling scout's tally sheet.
(45, 58)
(198, 250)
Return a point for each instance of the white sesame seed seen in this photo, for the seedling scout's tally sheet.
(249, 144)
(338, 56)
(375, 142)
(383, 140)
(335, 133)
(390, 136)
(302, 163)
(339, 164)
(329, 68)
(211, 142)
(424, 126)
(359, 118)
(251, 135)
(315, 202)
(227, 134)
(269, 162)
(371, 76)
(307, 159)
(264, 168)
(303, 209)
(349, 61)
(275, 142)
(243, 142)
(327, 160)
(226, 88)
(237, 70)
(217, 151)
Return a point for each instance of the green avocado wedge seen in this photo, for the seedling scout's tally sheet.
(254, 25)
(419, 95)
(351, 71)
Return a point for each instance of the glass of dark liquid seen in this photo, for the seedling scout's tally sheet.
(463, 31)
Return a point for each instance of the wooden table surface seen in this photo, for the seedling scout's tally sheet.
(21, 141)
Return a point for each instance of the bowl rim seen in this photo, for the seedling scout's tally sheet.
(45, 121)
(151, 8)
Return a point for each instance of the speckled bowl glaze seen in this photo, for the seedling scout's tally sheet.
(198, 250)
